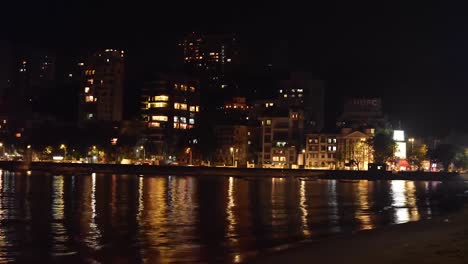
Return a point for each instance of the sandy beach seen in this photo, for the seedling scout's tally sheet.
(440, 240)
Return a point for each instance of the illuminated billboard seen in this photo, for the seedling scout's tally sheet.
(399, 135)
(400, 150)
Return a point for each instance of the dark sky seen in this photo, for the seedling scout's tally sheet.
(413, 53)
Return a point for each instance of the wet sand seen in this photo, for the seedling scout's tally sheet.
(441, 240)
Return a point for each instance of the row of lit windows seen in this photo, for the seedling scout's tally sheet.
(292, 95)
(316, 141)
(182, 126)
(183, 106)
(183, 119)
(90, 72)
(293, 90)
(184, 88)
(159, 118)
(156, 105)
(160, 98)
(90, 98)
(276, 158)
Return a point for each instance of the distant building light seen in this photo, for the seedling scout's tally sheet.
(86, 89)
(18, 135)
(228, 60)
(70, 75)
(58, 158)
(81, 64)
(108, 60)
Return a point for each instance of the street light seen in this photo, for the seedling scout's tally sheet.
(144, 152)
(64, 147)
(232, 153)
(412, 142)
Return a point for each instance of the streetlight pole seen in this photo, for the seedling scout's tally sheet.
(64, 147)
(144, 152)
(232, 153)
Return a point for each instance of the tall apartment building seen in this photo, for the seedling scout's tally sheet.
(306, 92)
(210, 53)
(170, 108)
(101, 96)
(281, 134)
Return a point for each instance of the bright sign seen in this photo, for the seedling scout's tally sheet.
(399, 135)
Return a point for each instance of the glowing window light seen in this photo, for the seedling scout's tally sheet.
(163, 98)
(159, 118)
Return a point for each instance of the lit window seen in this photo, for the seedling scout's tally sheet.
(159, 118)
(158, 105)
(154, 124)
(89, 98)
(192, 108)
(191, 121)
(281, 91)
(183, 106)
(176, 119)
(268, 122)
(282, 158)
(285, 95)
(334, 148)
(300, 90)
(176, 106)
(183, 119)
(228, 60)
(192, 89)
(86, 89)
(196, 108)
(183, 126)
(91, 81)
(176, 125)
(275, 158)
(161, 98)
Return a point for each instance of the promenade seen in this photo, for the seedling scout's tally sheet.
(152, 170)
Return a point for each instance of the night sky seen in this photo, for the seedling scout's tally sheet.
(412, 53)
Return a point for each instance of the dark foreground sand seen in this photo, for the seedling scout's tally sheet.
(442, 240)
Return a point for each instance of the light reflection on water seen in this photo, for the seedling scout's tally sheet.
(128, 218)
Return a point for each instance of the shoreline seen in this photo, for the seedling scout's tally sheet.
(442, 239)
(249, 173)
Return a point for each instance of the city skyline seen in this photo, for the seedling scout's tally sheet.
(401, 54)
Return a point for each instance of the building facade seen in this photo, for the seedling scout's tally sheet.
(101, 95)
(281, 134)
(233, 142)
(170, 108)
(348, 149)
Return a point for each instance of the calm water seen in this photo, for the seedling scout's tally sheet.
(127, 218)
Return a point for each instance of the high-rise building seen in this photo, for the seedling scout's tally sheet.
(212, 54)
(101, 96)
(306, 92)
(170, 108)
